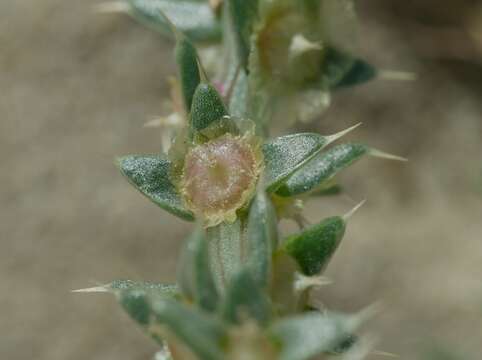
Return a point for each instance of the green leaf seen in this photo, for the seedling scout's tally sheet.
(305, 336)
(360, 72)
(238, 103)
(195, 276)
(193, 18)
(225, 251)
(245, 299)
(286, 154)
(323, 167)
(137, 304)
(202, 333)
(262, 238)
(161, 289)
(187, 62)
(313, 247)
(243, 14)
(341, 69)
(207, 107)
(150, 175)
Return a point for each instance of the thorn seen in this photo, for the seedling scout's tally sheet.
(350, 213)
(303, 282)
(111, 7)
(384, 155)
(96, 289)
(397, 75)
(334, 137)
(384, 353)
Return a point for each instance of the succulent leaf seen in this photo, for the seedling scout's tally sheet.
(150, 175)
(238, 103)
(225, 251)
(243, 14)
(320, 170)
(245, 300)
(304, 336)
(262, 238)
(313, 247)
(194, 18)
(202, 333)
(195, 276)
(207, 107)
(341, 69)
(286, 154)
(187, 62)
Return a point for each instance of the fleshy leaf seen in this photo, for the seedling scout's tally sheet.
(243, 13)
(286, 154)
(313, 247)
(238, 103)
(202, 333)
(245, 299)
(322, 168)
(136, 303)
(195, 276)
(341, 69)
(150, 175)
(194, 18)
(225, 250)
(262, 238)
(207, 107)
(187, 62)
(304, 336)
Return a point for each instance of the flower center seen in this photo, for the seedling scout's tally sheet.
(217, 175)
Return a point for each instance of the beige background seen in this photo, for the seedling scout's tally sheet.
(76, 88)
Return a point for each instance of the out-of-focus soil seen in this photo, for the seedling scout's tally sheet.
(76, 88)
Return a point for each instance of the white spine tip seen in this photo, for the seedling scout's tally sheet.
(334, 137)
(384, 353)
(112, 7)
(350, 213)
(393, 75)
(96, 289)
(303, 282)
(384, 155)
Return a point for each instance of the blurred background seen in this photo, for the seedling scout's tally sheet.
(76, 88)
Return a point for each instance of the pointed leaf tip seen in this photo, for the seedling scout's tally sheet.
(338, 135)
(350, 213)
(384, 155)
(95, 289)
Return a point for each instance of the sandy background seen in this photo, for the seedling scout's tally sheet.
(75, 90)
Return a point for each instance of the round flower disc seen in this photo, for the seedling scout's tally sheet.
(219, 176)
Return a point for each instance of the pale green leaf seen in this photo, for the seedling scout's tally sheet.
(202, 333)
(322, 168)
(304, 336)
(245, 299)
(187, 62)
(226, 246)
(194, 18)
(286, 154)
(262, 238)
(243, 14)
(150, 175)
(195, 276)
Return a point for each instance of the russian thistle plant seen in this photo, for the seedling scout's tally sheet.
(243, 291)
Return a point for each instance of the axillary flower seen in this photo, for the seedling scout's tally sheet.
(217, 161)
